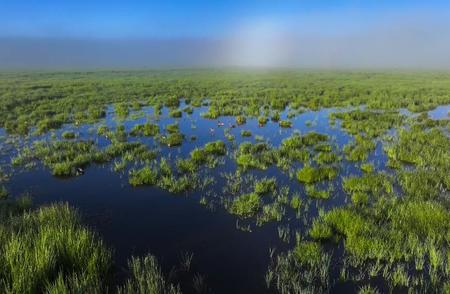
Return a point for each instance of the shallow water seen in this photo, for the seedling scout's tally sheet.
(136, 221)
(440, 112)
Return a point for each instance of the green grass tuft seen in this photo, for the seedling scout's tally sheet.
(309, 174)
(246, 205)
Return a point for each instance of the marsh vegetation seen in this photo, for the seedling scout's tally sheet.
(345, 173)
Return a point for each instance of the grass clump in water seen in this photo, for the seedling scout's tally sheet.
(68, 135)
(69, 158)
(104, 131)
(292, 149)
(173, 128)
(187, 165)
(272, 212)
(309, 174)
(172, 139)
(175, 113)
(188, 110)
(312, 192)
(313, 138)
(64, 157)
(360, 198)
(120, 135)
(265, 186)
(147, 129)
(172, 101)
(215, 148)
(421, 148)
(147, 277)
(427, 151)
(246, 133)
(395, 235)
(213, 113)
(305, 269)
(48, 123)
(121, 110)
(262, 120)
(296, 202)
(373, 184)
(367, 168)
(177, 185)
(320, 231)
(323, 147)
(3, 193)
(326, 157)
(369, 123)
(368, 289)
(275, 116)
(258, 156)
(308, 252)
(240, 119)
(359, 149)
(143, 176)
(246, 205)
(285, 123)
(200, 156)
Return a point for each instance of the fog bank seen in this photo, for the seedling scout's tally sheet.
(395, 45)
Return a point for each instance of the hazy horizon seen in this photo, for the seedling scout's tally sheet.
(285, 34)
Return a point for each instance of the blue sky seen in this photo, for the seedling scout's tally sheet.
(197, 19)
(248, 33)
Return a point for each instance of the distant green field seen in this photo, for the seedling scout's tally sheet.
(46, 100)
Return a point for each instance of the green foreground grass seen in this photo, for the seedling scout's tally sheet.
(48, 250)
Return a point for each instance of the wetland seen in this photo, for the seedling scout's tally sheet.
(224, 181)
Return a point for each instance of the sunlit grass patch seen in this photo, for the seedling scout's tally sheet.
(147, 129)
(68, 135)
(246, 205)
(175, 113)
(259, 155)
(396, 234)
(367, 167)
(121, 110)
(359, 149)
(246, 133)
(375, 184)
(326, 157)
(285, 123)
(305, 269)
(315, 193)
(172, 139)
(240, 119)
(143, 176)
(309, 174)
(262, 120)
(215, 148)
(369, 123)
(265, 185)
